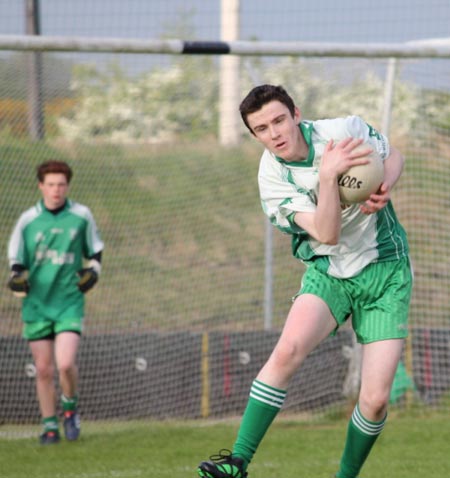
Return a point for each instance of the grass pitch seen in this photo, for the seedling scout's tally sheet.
(410, 447)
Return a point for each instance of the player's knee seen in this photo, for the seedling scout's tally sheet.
(66, 368)
(375, 402)
(287, 355)
(44, 371)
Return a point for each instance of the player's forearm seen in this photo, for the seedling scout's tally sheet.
(325, 223)
(393, 167)
(328, 214)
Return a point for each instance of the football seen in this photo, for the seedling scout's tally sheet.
(359, 182)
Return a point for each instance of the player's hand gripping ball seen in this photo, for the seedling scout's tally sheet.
(359, 182)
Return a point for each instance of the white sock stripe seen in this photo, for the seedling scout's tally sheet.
(367, 431)
(265, 394)
(357, 413)
(265, 397)
(364, 426)
(269, 401)
(372, 425)
(360, 419)
(270, 390)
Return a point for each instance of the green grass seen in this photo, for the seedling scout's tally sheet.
(410, 447)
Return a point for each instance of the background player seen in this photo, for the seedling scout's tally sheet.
(46, 252)
(357, 264)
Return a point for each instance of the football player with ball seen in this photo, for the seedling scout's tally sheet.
(356, 253)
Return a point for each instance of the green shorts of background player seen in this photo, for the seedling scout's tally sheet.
(357, 266)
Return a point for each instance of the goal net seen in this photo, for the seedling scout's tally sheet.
(179, 323)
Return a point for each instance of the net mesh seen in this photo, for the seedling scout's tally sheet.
(175, 327)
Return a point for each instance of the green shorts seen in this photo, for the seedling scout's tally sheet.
(46, 328)
(377, 298)
(44, 320)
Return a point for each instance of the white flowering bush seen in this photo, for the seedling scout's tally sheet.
(151, 108)
(324, 92)
(437, 109)
(182, 99)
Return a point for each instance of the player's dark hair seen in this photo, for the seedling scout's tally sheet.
(260, 96)
(55, 167)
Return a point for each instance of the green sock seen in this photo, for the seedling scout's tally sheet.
(69, 404)
(263, 405)
(361, 435)
(50, 424)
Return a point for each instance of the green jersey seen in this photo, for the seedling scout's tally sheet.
(52, 248)
(290, 187)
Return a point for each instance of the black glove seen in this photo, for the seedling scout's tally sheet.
(18, 283)
(88, 278)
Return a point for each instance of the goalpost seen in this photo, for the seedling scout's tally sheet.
(177, 326)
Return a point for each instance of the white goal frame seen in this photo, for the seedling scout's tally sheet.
(429, 48)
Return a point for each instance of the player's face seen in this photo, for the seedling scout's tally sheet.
(274, 126)
(54, 190)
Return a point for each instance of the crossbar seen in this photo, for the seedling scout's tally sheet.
(431, 48)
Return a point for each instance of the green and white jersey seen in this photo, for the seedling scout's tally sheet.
(290, 187)
(52, 248)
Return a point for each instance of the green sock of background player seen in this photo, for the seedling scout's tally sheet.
(50, 424)
(361, 435)
(69, 404)
(263, 405)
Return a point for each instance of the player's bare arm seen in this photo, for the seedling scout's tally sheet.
(325, 223)
(393, 167)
